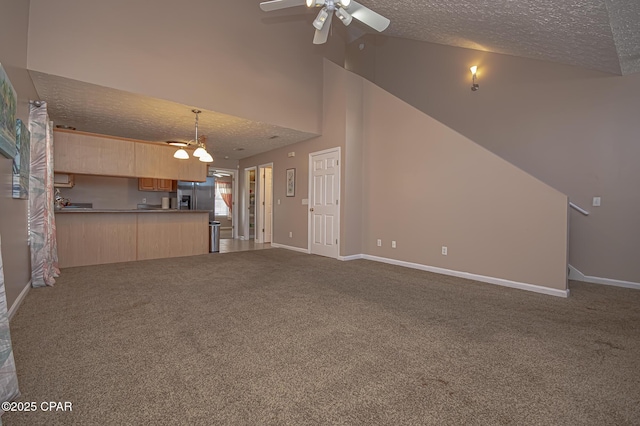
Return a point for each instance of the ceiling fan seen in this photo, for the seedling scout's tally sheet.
(345, 10)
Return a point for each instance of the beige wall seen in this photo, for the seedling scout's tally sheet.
(426, 186)
(291, 215)
(226, 56)
(439, 187)
(13, 212)
(575, 129)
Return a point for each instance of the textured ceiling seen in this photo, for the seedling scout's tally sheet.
(98, 109)
(596, 34)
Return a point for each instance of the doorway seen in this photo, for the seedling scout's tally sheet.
(264, 211)
(324, 202)
(226, 194)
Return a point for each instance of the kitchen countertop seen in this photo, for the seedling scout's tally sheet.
(83, 210)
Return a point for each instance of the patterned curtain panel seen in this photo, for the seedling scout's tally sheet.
(44, 249)
(8, 377)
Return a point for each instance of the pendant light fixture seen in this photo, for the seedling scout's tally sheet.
(201, 150)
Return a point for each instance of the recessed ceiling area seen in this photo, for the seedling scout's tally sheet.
(97, 109)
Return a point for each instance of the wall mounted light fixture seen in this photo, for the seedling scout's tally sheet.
(474, 85)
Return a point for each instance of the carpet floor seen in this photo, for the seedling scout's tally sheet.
(275, 337)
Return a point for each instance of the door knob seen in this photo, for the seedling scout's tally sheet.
(311, 209)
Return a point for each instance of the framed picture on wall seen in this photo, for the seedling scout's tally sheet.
(8, 105)
(291, 182)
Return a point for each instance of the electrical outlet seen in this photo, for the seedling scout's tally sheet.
(596, 201)
(444, 250)
(144, 201)
(290, 234)
(393, 244)
(379, 243)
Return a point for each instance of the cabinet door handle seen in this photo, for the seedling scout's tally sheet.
(311, 209)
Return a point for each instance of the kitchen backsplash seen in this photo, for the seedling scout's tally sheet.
(110, 192)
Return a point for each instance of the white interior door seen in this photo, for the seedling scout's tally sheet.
(264, 212)
(268, 205)
(324, 209)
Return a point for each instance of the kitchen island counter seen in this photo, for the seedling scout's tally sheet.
(91, 210)
(99, 236)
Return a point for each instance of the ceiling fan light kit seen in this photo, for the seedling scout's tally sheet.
(345, 10)
(344, 16)
(321, 19)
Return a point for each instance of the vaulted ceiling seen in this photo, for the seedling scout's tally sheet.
(598, 34)
(602, 35)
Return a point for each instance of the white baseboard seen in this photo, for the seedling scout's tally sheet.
(467, 275)
(576, 275)
(19, 300)
(351, 257)
(282, 246)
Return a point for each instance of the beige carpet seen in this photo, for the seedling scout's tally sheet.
(278, 337)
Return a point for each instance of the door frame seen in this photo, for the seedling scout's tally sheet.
(259, 201)
(234, 194)
(246, 234)
(310, 196)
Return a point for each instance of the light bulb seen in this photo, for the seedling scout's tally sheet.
(316, 3)
(345, 3)
(474, 69)
(199, 152)
(181, 154)
(344, 16)
(320, 20)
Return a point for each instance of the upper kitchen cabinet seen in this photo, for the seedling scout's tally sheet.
(157, 161)
(90, 154)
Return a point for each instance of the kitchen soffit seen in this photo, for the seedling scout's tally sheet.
(97, 109)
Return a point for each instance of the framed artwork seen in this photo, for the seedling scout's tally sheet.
(8, 105)
(21, 161)
(291, 182)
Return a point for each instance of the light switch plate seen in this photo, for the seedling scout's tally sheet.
(305, 201)
(596, 201)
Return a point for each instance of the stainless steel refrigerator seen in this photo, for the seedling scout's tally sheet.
(198, 196)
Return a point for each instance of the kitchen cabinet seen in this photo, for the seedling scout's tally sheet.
(86, 153)
(151, 184)
(92, 154)
(157, 161)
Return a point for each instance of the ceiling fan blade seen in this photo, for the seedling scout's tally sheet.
(323, 34)
(268, 6)
(368, 16)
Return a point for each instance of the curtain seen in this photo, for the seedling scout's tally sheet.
(224, 189)
(8, 376)
(42, 221)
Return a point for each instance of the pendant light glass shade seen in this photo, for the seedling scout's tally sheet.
(206, 158)
(181, 154)
(199, 152)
